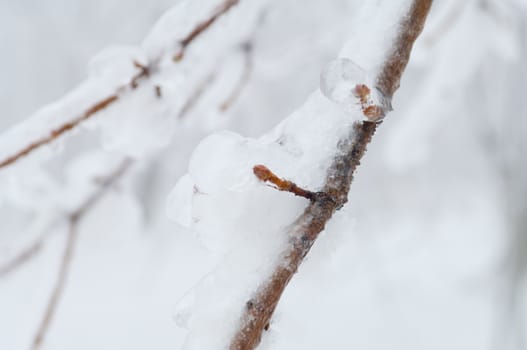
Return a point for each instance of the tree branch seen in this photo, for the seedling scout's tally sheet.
(59, 285)
(200, 28)
(260, 308)
(144, 72)
(54, 134)
(22, 257)
(69, 249)
(196, 95)
(247, 50)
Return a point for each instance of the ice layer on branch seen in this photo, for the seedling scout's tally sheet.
(143, 87)
(247, 223)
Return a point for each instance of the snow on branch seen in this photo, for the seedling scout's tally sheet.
(260, 307)
(201, 27)
(263, 235)
(143, 71)
(54, 134)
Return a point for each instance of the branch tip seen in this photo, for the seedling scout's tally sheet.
(373, 112)
(265, 175)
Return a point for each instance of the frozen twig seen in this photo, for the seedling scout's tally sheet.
(197, 94)
(144, 72)
(54, 134)
(69, 249)
(259, 309)
(264, 174)
(247, 50)
(225, 6)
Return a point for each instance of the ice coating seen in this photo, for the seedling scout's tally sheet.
(338, 81)
(242, 221)
(142, 117)
(245, 222)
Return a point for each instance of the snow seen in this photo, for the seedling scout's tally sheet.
(413, 261)
(231, 212)
(145, 122)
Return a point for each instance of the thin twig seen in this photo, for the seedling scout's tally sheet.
(208, 81)
(69, 249)
(59, 285)
(22, 257)
(264, 174)
(197, 94)
(200, 28)
(144, 72)
(54, 134)
(247, 50)
(259, 309)
(105, 184)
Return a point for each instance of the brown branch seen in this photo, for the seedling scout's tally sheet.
(373, 112)
(200, 28)
(31, 251)
(145, 70)
(264, 174)
(105, 184)
(208, 81)
(247, 50)
(69, 249)
(59, 285)
(196, 95)
(259, 309)
(22, 257)
(54, 134)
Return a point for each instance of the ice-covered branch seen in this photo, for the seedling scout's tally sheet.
(143, 72)
(247, 50)
(201, 27)
(260, 308)
(197, 94)
(264, 174)
(54, 134)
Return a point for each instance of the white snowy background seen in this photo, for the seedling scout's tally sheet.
(429, 253)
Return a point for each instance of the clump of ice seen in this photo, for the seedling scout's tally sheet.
(115, 65)
(138, 126)
(245, 222)
(221, 199)
(338, 81)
